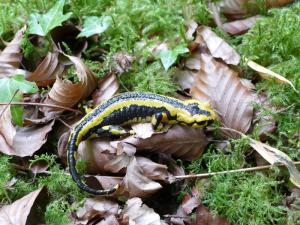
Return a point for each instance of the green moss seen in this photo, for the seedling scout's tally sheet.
(57, 212)
(5, 176)
(244, 198)
(275, 38)
(215, 160)
(151, 78)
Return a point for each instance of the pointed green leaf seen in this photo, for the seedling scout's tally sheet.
(12, 89)
(168, 57)
(95, 25)
(41, 24)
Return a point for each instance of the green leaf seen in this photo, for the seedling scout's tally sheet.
(95, 25)
(168, 57)
(12, 89)
(41, 24)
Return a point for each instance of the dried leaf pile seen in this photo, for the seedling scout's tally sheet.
(62, 63)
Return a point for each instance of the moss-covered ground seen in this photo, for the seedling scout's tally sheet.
(274, 41)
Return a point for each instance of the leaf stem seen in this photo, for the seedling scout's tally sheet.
(41, 104)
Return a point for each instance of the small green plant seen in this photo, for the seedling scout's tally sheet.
(57, 212)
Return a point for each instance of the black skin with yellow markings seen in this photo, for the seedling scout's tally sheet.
(108, 118)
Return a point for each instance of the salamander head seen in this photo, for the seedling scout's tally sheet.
(201, 114)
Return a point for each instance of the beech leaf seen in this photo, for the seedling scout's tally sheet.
(240, 26)
(273, 156)
(18, 212)
(168, 57)
(42, 24)
(95, 25)
(269, 74)
(218, 47)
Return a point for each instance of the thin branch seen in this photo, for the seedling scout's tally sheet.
(9, 103)
(249, 169)
(41, 104)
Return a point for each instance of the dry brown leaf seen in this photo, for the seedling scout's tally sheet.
(17, 213)
(240, 26)
(238, 8)
(273, 156)
(191, 26)
(47, 71)
(136, 184)
(7, 70)
(107, 87)
(217, 83)
(97, 208)
(137, 213)
(122, 62)
(65, 93)
(205, 217)
(11, 54)
(143, 130)
(152, 170)
(218, 47)
(23, 141)
(183, 142)
(269, 74)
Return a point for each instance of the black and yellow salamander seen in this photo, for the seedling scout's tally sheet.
(133, 107)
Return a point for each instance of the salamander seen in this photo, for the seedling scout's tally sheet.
(110, 117)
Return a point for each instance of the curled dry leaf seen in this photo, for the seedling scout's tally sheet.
(269, 74)
(107, 87)
(240, 26)
(11, 54)
(65, 93)
(47, 71)
(218, 47)
(217, 83)
(18, 212)
(137, 213)
(122, 62)
(23, 141)
(183, 142)
(273, 156)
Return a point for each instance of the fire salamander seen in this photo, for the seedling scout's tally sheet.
(108, 119)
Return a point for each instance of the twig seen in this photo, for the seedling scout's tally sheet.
(9, 103)
(249, 169)
(64, 123)
(41, 104)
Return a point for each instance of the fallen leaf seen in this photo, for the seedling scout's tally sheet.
(11, 54)
(218, 47)
(240, 26)
(7, 130)
(47, 71)
(236, 9)
(42, 24)
(273, 156)
(65, 93)
(107, 88)
(205, 217)
(26, 140)
(191, 26)
(95, 25)
(183, 142)
(18, 212)
(97, 208)
(269, 74)
(143, 130)
(218, 84)
(152, 170)
(136, 183)
(137, 213)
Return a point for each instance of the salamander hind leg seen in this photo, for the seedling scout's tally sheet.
(114, 130)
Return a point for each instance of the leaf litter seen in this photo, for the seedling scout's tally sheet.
(142, 163)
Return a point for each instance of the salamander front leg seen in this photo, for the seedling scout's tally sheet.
(160, 121)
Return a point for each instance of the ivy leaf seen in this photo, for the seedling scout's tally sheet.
(12, 89)
(168, 57)
(95, 25)
(41, 24)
